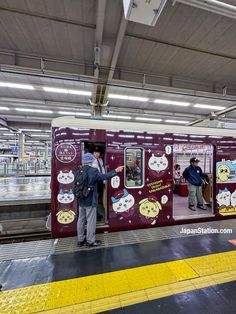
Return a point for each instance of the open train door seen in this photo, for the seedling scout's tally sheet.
(98, 149)
(181, 159)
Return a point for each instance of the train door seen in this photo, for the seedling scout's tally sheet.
(182, 153)
(98, 149)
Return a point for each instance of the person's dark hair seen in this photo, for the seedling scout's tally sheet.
(177, 166)
(97, 149)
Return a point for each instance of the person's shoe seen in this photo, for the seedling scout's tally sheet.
(94, 244)
(201, 207)
(82, 243)
(192, 208)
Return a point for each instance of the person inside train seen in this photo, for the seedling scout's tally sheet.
(98, 163)
(133, 173)
(88, 204)
(177, 178)
(194, 175)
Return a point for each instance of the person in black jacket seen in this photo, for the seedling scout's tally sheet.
(88, 205)
(193, 175)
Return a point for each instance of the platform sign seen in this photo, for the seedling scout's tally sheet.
(14, 150)
(233, 241)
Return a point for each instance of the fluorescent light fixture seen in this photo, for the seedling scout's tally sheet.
(214, 136)
(40, 135)
(71, 113)
(134, 98)
(67, 91)
(148, 119)
(171, 102)
(126, 97)
(84, 114)
(116, 96)
(167, 139)
(213, 107)
(177, 121)
(31, 130)
(200, 136)
(33, 110)
(56, 90)
(116, 117)
(80, 92)
(16, 85)
(9, 134)
(4, 108)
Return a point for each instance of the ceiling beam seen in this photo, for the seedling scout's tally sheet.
(101, 8)
(47, 17)
(215, 115)
(5, 124)
(175, 45)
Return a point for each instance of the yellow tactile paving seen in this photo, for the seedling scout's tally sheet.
(96, 293)
(144, 295)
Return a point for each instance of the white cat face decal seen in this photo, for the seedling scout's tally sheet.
(65, 177)
(65, 197)
(223, 197)
(233, 198)
(158, 163)
(124, 203)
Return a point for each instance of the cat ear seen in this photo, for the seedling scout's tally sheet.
(220, 191)
(152, 155)
(126, 193)
(113, 199)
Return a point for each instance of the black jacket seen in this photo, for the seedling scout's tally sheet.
(93, 176)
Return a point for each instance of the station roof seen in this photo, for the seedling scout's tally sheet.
(84, 58)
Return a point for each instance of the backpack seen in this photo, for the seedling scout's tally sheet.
(81, 189)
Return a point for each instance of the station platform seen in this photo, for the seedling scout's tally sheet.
(24, 190)
(24, 205)
(157, 270)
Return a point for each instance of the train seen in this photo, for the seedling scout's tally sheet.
(144, 194)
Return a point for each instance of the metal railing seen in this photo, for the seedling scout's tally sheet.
(14, 169)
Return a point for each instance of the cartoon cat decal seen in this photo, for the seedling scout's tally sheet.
(123, 204)
(233, 198)
(223, 171)
(158, 163)
(150, 208)
(65, 217)
(65, 177)
(223, 197)
(65, 197)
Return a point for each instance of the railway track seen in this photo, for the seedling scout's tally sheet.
(24, 237)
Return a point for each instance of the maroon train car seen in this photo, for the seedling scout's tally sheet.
(147, 193)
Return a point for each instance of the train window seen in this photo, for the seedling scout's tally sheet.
(134, 167)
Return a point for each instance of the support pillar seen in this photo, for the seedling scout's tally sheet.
(21, 147)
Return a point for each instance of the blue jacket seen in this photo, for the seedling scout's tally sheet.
(193, 175)
(93, 176)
